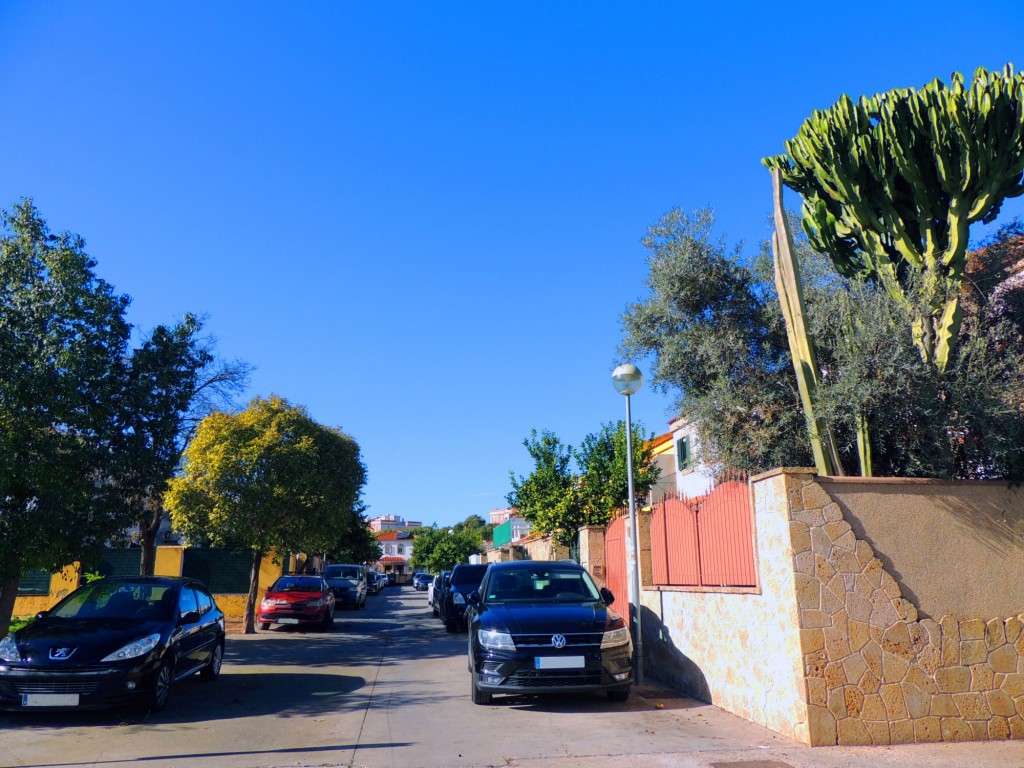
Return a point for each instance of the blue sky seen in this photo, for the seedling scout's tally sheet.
(422, 221)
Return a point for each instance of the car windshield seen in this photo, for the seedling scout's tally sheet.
(118, 600)
(341, 572)
(541, 584)
(293, 584)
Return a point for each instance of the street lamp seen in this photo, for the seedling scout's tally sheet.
(627, 380)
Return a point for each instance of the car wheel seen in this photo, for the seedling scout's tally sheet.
(618, 695)
(264, 625)
(212, 669)
(478, 696)
(160, 687)
(450, 626)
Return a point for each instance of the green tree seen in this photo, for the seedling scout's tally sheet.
(548, 496)
(171, 378)
(477, 526)
(604, 481)
(441, 549)
(712, 332)
(268, 478)
(892, 183)
(63, 339)
(356, 544)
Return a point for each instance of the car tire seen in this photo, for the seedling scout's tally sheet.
(264, 625)
(450, 627)
(478, 696)
(160, 687)
(618, 696)
(211, 671)
(328, 621)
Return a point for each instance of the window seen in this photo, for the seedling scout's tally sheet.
(399, 547)
(684, 458)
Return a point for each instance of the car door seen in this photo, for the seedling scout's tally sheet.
(188, 635)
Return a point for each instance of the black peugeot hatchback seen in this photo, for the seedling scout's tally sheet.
(113, 641)
(545, 627)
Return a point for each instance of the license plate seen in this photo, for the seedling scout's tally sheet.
(287, 621)
(558, 662)
(49, 700)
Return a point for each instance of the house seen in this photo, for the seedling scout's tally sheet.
(395, 552)
(393, 523)
(499, 516)
(683, 471)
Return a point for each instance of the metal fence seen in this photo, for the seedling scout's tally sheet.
(615, 562)
(706, 541)
(223, 571)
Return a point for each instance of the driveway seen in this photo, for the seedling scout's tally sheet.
(387, 687)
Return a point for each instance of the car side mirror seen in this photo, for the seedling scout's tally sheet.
(189, 617)
(474, 598)
(606, 596)
(41, 614)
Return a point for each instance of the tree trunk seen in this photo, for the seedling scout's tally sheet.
(249, 618)
(149, 525)
(8, 594)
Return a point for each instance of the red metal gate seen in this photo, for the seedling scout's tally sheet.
(615, 563)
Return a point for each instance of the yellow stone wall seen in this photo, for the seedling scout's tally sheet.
(876, 672)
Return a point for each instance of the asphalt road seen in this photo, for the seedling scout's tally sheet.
(388, 687)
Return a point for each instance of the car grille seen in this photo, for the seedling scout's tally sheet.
(572, 640)
(55, 686)
(539, 678)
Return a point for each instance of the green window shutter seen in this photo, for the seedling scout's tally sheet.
(683, 458)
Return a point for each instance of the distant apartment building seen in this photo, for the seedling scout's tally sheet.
(512, 530)
(393, 523)
(499, 516)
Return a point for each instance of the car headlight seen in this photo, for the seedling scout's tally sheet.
(495, 641)
(136, 648)
(458, 599)
(9, 649)
(318, 603)
(613, 638)
(266, 605)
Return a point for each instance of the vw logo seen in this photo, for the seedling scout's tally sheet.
(59, 654)
(558, 641)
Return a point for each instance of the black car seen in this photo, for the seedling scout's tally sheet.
(420, 581)
(544, 627)
(465, 580)
(113, 641)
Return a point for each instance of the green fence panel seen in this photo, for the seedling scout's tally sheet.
(35, 582)
(116, 562)
(223, 571)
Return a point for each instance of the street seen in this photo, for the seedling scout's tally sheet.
(387, 686)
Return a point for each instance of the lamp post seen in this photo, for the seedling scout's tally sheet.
(627, 380)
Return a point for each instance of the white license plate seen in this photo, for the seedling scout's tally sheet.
(49, 700)
(558, 662)
(287, 621)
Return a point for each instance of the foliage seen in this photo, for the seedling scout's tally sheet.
(559, 501)
(547, 498)
(441, 549)
(603, 480)
(63, 339)
(965, 422)
(711, 331)
(477, 526)
(271, 479)
(171, 373)
(357, 544)
(892, 183)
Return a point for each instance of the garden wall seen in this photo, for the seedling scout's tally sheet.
(886, 612)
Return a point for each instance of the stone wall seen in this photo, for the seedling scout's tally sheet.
(875, 671)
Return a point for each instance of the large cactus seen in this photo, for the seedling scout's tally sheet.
(892, 182)
(801, 346)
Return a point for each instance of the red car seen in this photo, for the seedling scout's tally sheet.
(297, 600)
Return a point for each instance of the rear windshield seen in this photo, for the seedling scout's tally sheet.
(297, 584)
(342, 572)
(468, 574)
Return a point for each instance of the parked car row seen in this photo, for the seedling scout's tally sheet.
(126, 640)
(535, 628)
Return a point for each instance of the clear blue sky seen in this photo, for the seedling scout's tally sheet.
(421, 220)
